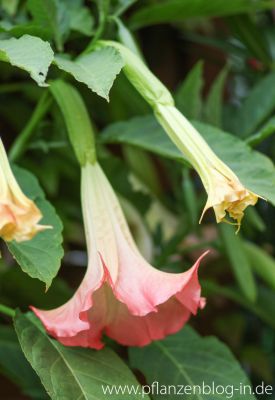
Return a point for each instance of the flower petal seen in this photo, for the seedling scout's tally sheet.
(142, 288)
(72, 318)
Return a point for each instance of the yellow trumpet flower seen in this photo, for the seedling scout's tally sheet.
(19, 216)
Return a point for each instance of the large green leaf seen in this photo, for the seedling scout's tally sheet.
(97, 70)
(14, 365)
(40, 257)
(177, 10)
(71, 372)
(186, 359)
(29, 53)
(255, 170)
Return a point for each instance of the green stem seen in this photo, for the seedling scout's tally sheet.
(259, 137)
(103, 10)
(7, 311)
(20, 143)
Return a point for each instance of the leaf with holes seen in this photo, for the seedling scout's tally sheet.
(30, 53)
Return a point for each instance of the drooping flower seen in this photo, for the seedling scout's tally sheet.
(19, 216)
(121, 295)
(226, 194)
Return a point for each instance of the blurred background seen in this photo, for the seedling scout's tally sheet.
(220, 65)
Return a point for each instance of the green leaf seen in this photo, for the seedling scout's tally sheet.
(29, 53)
(188, 359)
(51, 15)
(178, 10)
(143, 167)
(71, 372)
(239, 261)
(18, 31)
(267, 130)
(254, 220)
(125, 37)
(262, 263)
(81, 20)
(14, 365)
(41, 256)
(214, 102)
(97, 70)
(257, 106)
(77, 120)
(190, 199)
(255, 170)
(188, 95)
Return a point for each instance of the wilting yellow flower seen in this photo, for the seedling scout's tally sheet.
(18, 214)
(226, 194)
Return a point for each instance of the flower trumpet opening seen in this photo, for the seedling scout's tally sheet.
(121, 295)
(227, 196)
(19, 216)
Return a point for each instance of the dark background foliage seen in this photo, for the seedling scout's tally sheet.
(219, 63)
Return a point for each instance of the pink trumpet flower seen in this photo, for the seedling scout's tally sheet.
(121, 295)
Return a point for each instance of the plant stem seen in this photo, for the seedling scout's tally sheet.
(20, 143)
(262, 135)
(103, 9)
(7, 311)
